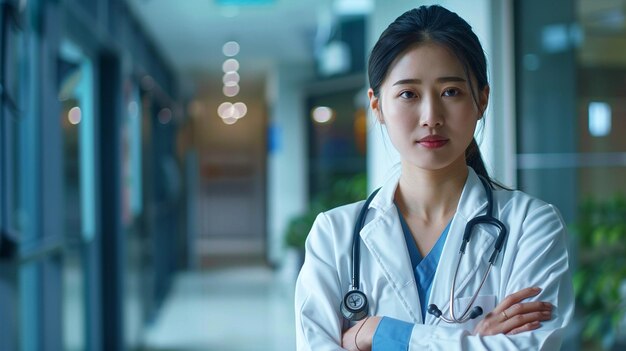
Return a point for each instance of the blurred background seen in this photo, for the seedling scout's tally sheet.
(161, 161)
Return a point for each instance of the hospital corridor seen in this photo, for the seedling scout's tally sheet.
(237, 308)
(162, 165)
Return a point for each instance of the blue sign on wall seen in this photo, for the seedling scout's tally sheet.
(274, 138)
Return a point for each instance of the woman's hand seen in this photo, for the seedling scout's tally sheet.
(359, 337)
(512, 316)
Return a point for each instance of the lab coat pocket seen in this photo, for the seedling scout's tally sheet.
(486, 302)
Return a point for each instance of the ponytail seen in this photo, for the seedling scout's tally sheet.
(475, 160)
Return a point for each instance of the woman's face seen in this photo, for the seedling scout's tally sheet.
(427, 107)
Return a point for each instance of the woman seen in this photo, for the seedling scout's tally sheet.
(428, 87)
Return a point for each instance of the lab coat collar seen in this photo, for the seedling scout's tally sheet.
(473, 197)
(383, 237)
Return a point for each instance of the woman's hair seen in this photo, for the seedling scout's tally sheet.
(433, 24)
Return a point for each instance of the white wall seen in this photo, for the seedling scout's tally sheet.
(287, 165)
(497, 139)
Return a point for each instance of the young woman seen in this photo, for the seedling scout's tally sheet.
(400, 281)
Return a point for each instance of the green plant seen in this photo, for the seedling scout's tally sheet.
(601, 234)
(343, 191)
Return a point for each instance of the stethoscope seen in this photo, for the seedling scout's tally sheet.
(354, 305)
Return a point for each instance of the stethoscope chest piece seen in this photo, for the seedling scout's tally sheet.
(354, 305)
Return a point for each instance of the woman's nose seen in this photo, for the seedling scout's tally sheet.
(431, 114)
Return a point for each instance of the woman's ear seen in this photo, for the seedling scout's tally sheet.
(375, 105)
(483, 101)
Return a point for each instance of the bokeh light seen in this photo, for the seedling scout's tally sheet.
(231, 78)
(240, 109)
(74, 115)
(229, 120)
(322, 114)
(231, 48)
(165, 116)
(231, 90)
(230, 65)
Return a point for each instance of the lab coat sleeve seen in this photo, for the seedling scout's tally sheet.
(537, 257)
(318, 293)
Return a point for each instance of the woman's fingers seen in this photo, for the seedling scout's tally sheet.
(499, 324)
(525, 308)
(516, 298)
(526, 327)
(519, 320)
(516, 318)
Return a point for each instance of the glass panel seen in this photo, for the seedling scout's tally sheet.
(74, 306)
(571, 104)
(545, 77)
(76, 116)
(30, 313)
(131, 210)
(15, 85)
(2, 137)
(337, 140)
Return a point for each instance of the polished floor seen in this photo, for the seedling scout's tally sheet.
(232, 308)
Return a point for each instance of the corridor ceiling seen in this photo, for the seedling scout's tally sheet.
(191, 33)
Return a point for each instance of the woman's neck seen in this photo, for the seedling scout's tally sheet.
(430, 195)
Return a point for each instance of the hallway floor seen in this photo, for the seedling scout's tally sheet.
(226, 309)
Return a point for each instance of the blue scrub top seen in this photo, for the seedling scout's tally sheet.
(394, 334)
(424, 268)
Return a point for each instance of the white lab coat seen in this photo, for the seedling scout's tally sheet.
(535, 254)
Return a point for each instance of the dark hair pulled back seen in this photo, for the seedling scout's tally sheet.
(433, 24)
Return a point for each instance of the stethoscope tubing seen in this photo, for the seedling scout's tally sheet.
(487, 218)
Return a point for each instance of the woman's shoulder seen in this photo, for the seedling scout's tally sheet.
(333, 228)
(344, 213)
(524, 206)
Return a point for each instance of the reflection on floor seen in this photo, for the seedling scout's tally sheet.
(226, 309)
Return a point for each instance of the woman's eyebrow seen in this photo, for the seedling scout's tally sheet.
(439, 80)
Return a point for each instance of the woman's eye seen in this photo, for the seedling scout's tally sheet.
(407, 94)
(450, 92)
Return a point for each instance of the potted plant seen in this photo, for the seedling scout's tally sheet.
(600, 278)
(343, 191)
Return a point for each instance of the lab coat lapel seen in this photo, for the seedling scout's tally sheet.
(385, 240)
(383, 237)
(474, 263)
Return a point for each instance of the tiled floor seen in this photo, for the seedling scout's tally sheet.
(227, 309)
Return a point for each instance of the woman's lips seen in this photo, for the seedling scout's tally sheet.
(433, 141)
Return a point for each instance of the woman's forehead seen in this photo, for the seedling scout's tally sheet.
(426, 60)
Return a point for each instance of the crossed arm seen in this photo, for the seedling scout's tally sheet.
(510, 317)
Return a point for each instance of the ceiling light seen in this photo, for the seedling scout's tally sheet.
(230, 120)
(230, 90)
(231, 78)
(322, 114)
(230, 65)
(353, 7)
(240, 109)
(231, 48)
(225, 110)
(74, 115)
(599, 119)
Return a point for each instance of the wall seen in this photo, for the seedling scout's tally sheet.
(287, 154)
